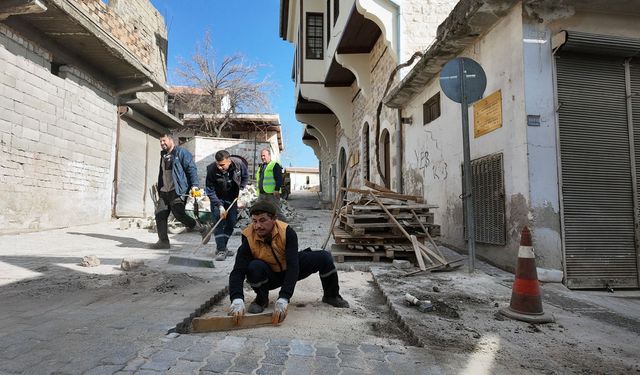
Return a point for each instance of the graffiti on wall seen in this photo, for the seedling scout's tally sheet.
(425, 163)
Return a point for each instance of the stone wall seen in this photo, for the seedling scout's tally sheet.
(57, 141)
(420, 20)
(134, 23)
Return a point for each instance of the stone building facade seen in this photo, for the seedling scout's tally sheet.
(62, 95)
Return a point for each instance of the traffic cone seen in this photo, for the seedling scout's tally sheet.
(526, 300)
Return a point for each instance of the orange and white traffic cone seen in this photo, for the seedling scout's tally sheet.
(526, 300)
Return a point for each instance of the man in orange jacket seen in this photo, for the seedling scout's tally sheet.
(268, 257)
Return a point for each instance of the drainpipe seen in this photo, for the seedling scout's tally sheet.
(399, 147)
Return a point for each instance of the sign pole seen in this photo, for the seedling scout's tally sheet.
(467, 192)
(464, 81)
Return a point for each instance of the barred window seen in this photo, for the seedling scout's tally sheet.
(431, 109)
(487, 186)
(315, 41)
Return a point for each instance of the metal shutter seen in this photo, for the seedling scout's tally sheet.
(153, 165)
(598, 217)
(132, 157)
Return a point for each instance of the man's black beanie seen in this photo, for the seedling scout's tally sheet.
(261, 207)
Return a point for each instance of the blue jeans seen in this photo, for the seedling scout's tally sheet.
(225, 228)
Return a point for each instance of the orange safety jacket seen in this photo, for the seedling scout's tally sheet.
(272, 255)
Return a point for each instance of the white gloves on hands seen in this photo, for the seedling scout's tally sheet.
(279, 311)
(223, 212)
(237, 309)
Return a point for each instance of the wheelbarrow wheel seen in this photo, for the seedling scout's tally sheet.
(174, 226)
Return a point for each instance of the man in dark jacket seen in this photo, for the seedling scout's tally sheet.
(269, 258)
(225, 178)
(178, 176)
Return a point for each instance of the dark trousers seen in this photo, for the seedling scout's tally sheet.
(225, 229)
(171, 202)
(263, 279)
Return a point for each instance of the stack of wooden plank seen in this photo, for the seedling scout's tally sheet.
(380, 224)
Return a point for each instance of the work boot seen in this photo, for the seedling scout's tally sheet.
(332, 291)
(336, 301)
(159, 245)
(259, 304)
(221, 254)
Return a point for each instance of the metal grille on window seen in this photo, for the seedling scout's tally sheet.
(488, 200)
(314, 36)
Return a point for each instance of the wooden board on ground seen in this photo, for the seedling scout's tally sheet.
(227, 323)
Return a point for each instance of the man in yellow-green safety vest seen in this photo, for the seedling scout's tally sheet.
(269, 180)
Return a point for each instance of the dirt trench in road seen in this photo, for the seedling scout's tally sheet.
(367, 320)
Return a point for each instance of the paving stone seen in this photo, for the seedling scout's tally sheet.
(298, 365)
(254, 345)
(218, 362)
(123, 373)
(231, 344)
(352, 361)
(45, 367)
(104, 370)
(268, 369)
(147, 372)
(326, 352)
(245, 363)
(276, 355)
(372, 350)
(134, 364)
(378, 367)
(185, 367)
(120, 356)
(302, 348)
(197, 353)
(348, 348)
(326, 366)
(351, 371)
(162, 360)
(279, 342)
(181, 343)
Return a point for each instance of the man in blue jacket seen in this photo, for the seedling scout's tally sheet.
(225, 178)
(178, 176)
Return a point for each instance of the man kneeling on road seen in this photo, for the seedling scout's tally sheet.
(268, 257)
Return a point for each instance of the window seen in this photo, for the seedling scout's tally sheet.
(314, 36)
(336, 10)
(431, 109)
(487, 186)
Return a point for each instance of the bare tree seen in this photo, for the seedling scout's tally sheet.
(220, 89)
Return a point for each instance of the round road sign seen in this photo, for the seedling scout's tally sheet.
(475, 80)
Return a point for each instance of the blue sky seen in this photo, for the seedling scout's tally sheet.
(249, 27)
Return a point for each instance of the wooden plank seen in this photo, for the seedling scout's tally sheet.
(395, 207)
(415, 198)
(335, 206)
(227, 323)
(372, 185)
(414, 241)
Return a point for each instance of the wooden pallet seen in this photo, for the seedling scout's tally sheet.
(341, 253)
(383, 238)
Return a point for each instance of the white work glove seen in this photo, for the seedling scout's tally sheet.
(279, 311)
(237, 310)
(223, 212)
